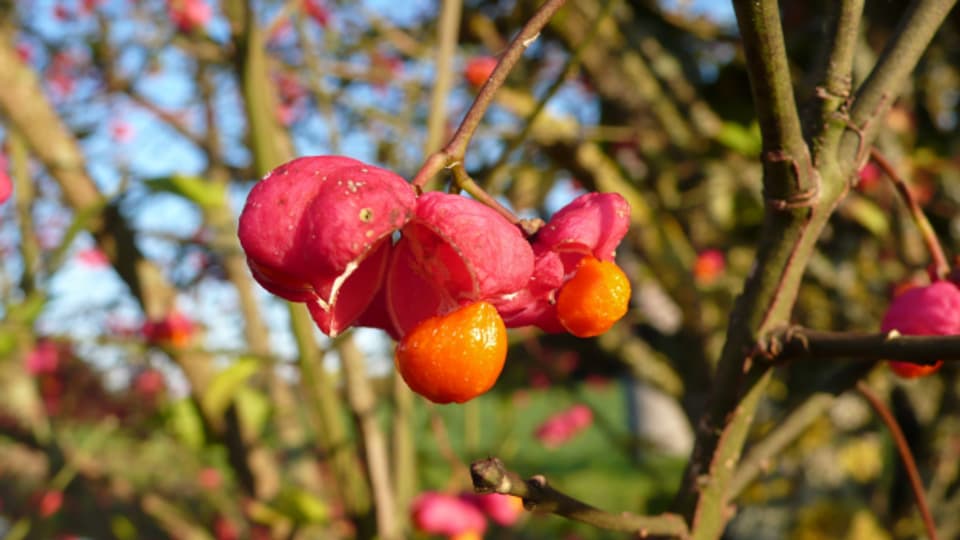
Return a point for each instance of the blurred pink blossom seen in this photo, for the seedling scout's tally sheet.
(25, 52)
(92, 258)
(61, 12)
(149, 383)
(504, 510)
(61, 75)
(439, 513)
(44, 358)
(87, 6)
(6, 184)
(563, 426)
(121, 131)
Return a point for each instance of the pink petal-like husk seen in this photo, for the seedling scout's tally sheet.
(339, 302)
(593, 223)
(413, 294)
(377, 316)
(317, 230)
(925, 311)
(495, 249)
(455, 251)
(437, 513)
(271, 220)
(534, 304)
(355, 208)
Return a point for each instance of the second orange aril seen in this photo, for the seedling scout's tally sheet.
(596, 297)
(454, 357)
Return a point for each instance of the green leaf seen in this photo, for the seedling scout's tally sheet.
(185, 423)
(302, 506)
(865, 212)
(195, 189)
(123, 528)
(742, 139)
(224, 387)
(27, 311)
(253, 409)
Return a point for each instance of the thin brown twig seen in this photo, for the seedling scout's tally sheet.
(905, 455)
(498, 168)
(456, 148)
(941, 266)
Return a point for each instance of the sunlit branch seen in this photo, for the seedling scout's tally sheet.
(491, 476)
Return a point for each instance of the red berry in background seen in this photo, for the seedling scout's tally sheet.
(318, 230)
(924, 311)
(93, 258)
(224, 529)
(479, 69)
(189, 15)
(175, 329)
(210, 479)
(317, 11)
(149, 384)
(708, 267)
(439, 513)
(868, 176)
(49, 503)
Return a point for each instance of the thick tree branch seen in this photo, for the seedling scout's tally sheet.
(491, 476)
(833, 78)
(796, 211)
(877, 93)
(788, 174)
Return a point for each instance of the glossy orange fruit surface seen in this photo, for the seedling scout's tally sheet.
(454, 357)
(596, 297)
